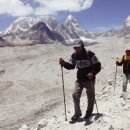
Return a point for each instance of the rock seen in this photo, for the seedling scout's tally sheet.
(111, 127)
(24, 127)
(110, 82)
(123, 103)
(42, 123)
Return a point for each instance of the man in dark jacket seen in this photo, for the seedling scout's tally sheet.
(125, 61)
(88, 66)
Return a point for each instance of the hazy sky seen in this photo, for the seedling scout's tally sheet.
(93, 15)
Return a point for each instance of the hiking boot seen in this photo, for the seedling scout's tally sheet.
(87, 116)
(75, 117)
(123, 95)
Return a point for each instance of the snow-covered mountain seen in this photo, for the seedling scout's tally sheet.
(125, 30)
(95, 34)
(22, 24)
(71, 29)
(1, 39)
(127, 22)
(22, 29)
(40, 33)
(68, 31)
(51, 22)
(110, 33)
(2, 42)
(1, 33)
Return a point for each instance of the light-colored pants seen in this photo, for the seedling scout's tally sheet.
(126, 77)
(90, 91)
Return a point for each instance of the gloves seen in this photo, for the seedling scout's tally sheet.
(90, 76)
(61, 62)
(117, 62)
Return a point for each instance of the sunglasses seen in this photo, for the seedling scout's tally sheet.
(77, 47)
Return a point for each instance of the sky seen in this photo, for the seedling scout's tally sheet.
(92, 15)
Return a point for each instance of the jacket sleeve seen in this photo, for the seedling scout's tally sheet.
(120, 63)
(95, 64)
(71, 64)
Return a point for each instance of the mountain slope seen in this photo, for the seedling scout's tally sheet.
(40, 33)
(31, 88)
(2, 42)
(22, 24)
(72, 30)
(124, 32)
(127, 22)
(110, 33)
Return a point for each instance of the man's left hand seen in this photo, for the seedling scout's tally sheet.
(90, 76)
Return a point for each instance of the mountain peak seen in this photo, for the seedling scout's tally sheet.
(39, 26)
(23, 18)
(71, 18)
(112, 30)
(127, 22)
(73, 29)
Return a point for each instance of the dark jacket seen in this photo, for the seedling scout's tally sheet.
(85, 62)
(126, 64)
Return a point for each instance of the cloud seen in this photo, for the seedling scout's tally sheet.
(44, 11)
(15, 8)
(54, 6)
(42, 7)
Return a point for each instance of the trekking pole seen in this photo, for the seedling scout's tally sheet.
(115, 78)
(94, 97)
(96, 106)
(64, 93)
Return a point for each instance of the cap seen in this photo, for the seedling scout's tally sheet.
(128, 49)
(78, 43)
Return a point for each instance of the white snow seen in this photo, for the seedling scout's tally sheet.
(22, 24)
(31, 95)
(70, 17)
(88, 41)
(127, 21)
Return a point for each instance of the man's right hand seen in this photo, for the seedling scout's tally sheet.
(117, 62)
(61, 61)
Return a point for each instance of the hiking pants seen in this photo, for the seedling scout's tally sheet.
(126, 77)
(90, 91)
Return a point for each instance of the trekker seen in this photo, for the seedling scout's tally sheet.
(88, 66)
(125, 61)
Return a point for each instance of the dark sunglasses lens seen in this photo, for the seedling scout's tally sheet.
(76, 47)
